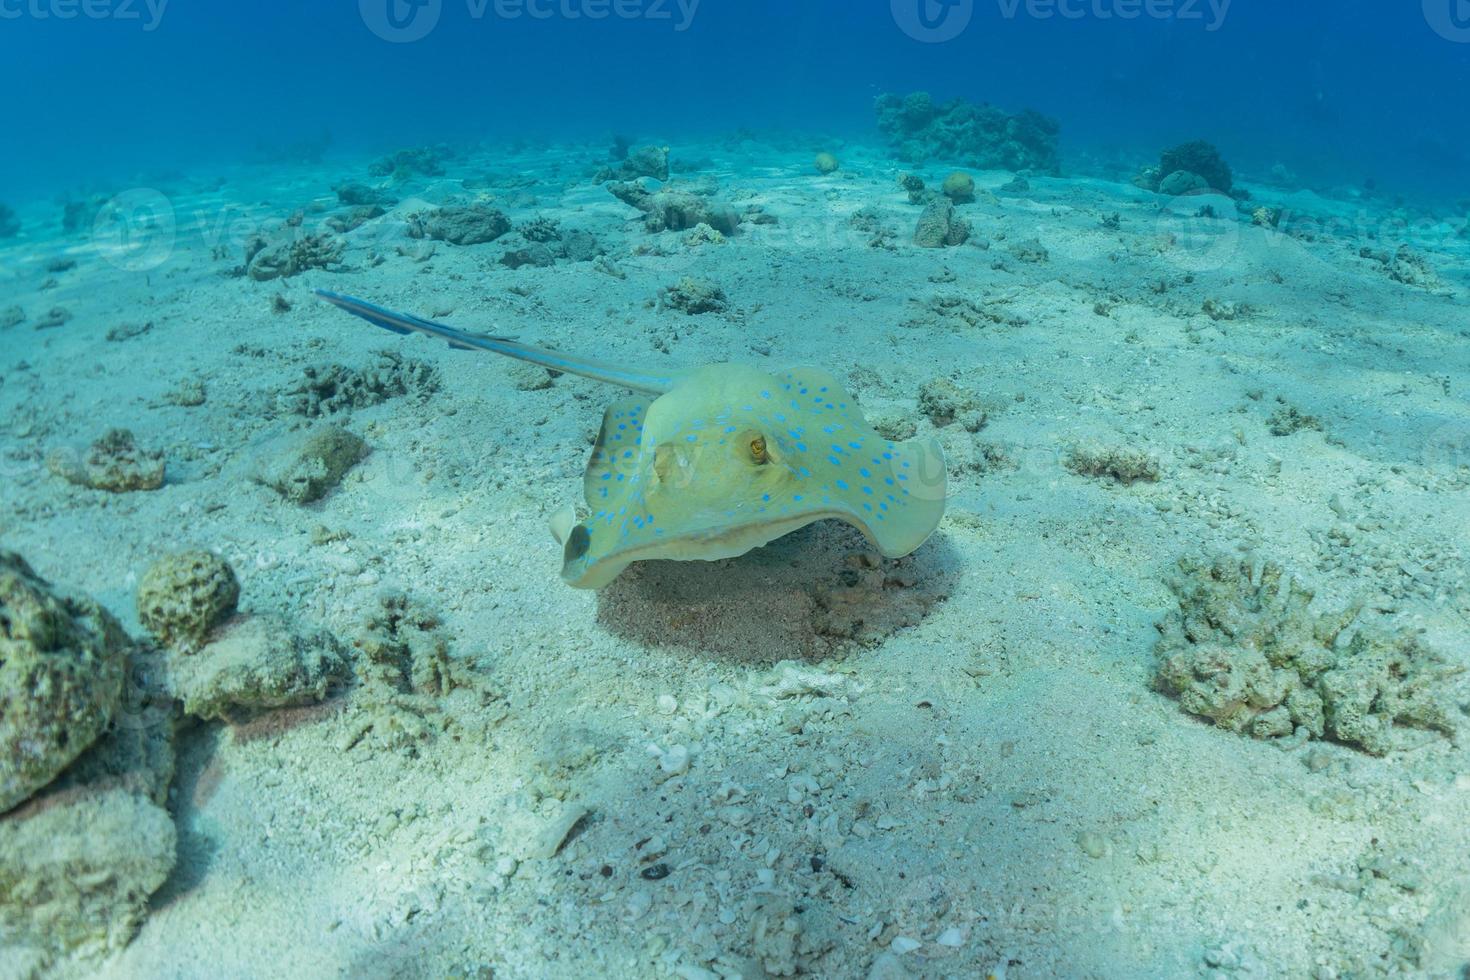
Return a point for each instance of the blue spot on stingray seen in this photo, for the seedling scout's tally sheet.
(887, 455)
(823, 388)
(805, 472)
(795, 407)
(622, 425)
(834, 460)
(855, 445)
(766, 497)
(902, 476)
(841, 484)
(868, 491)
(801, 447)
(627, 454)
(796, 497)
(765, 394)
(620, 478)
(867, 507)
(607, 476)
(864, 473)
(888, 480)
(729, 429)
(691, 438)
(802, 392)
(882, 506)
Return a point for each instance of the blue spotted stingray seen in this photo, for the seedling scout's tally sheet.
(721, 459)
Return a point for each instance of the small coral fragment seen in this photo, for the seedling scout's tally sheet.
(182, 597)
(306, 467)
(114, 463)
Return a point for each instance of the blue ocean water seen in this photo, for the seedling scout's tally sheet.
(1339, 92)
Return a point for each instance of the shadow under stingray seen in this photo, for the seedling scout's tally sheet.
(815, 592)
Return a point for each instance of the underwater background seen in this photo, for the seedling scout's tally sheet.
(1341, 92)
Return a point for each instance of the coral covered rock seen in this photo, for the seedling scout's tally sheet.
(1244, 650)
(825, 163)
(980, 136)
(305, 467)
(695, 296)
(473, 224)
(1199, 158)
(76, 874)
(290, 255)
(115, 463)
(1118, 463)
(182, 597)
(61, 678)
(959, 187)
(675, 209)
(403, 164)
(355, 194)
(646, 161)
(946, 403)
(939, 226)
(257, 663)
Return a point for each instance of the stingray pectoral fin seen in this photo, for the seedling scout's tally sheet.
(562, 523)
(919, 491)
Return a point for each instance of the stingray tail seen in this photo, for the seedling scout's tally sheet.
(406, 323)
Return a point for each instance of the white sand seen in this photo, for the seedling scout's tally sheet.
(952, 780)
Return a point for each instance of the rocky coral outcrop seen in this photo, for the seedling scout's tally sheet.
(257, 663)
(290, 254)
(980, 136)
(645, 161)
(473, 224)
(306, 466)
(939, 226)
(76, 875)
(675, 209)
(695, 297)
(62, 663)
(115, 463)
(1245, 650)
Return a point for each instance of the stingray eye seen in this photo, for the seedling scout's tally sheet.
(758, 449)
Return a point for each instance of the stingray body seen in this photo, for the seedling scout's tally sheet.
(709, 462)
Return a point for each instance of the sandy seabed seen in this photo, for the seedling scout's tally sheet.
(802, 761)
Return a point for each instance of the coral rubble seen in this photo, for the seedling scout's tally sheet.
(1245, 650)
